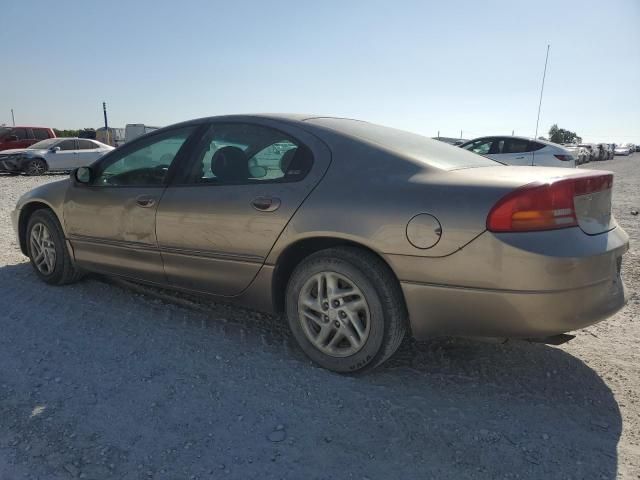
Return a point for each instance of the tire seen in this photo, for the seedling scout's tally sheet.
(35, 167)
(60, 269)
(381, 319)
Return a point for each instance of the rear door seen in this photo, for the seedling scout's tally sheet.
(219, 219)
(512, 151)
(88, 152)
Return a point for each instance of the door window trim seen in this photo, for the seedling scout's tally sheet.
(180, 179)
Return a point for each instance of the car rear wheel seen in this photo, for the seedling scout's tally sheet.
(47, 250)
(345, 309)
(37, 166)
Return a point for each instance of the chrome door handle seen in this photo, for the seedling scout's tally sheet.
(145, 201)
(265, 204)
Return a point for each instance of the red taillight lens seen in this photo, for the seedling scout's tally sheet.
(564, 158)
(544, 206)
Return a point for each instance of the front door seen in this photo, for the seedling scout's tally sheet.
(111, 222)
(63, 159)
(217, 223)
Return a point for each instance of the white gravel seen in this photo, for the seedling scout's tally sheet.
(100, 381)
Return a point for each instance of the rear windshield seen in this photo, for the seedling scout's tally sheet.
(422, 149)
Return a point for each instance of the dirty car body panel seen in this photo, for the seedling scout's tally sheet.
(420, 205)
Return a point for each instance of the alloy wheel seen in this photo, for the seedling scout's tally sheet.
(334, 314)
(43, 249)
(36, 167)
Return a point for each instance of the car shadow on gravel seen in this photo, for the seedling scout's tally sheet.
(124, 381)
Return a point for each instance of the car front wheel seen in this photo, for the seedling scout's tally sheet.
(345, 309)
(35, 167)
(47, 250)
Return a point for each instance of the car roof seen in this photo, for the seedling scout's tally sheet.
(26, 126)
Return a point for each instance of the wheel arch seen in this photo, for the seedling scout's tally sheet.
(26, 161)
(23, 220)
(295, 253)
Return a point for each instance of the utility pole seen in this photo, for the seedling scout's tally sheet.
(13, 119)
(544, 75)
(104, 110)
(512, 132)
(438, 134)
(460, 134)
(106, 123)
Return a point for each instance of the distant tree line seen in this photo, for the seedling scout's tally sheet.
(560, 135)
(82, 133)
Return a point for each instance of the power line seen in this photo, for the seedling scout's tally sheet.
(544, 75)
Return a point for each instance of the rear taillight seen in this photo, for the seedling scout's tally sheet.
(564, 158)
(544, 206)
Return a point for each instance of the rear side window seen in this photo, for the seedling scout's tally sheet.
(86, 145)
(41, 133)
(516, 145)
(67, 145)
(534, 146)
(239, 153)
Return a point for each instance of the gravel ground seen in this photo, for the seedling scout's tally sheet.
(101, 380)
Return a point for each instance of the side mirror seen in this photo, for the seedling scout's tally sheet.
(54, 149)
(82, 175)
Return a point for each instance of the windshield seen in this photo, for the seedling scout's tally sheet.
(423, 149)
(45, 144)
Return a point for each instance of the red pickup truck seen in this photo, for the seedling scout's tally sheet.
(23, 137)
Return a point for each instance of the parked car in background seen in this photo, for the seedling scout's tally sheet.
(521, 151)
(593, 151)
(23, 137)
(638, 147)
(632, 147)
(580, 154)
(451, 141)
(54, 154)
(111, 136)
(603, 151)
(134, 130)
(622, 150)
(196, 207)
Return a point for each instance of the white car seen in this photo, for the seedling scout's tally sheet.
(53, 154)
(622, 150)
(521, 151)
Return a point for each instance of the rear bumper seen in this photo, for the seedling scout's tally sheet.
(515, 285)
(440, 310)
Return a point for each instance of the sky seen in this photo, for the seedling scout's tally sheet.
(423, 66)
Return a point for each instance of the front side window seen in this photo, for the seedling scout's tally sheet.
(244, 154)
(481, 147)
(146, 164)
(67, 145)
